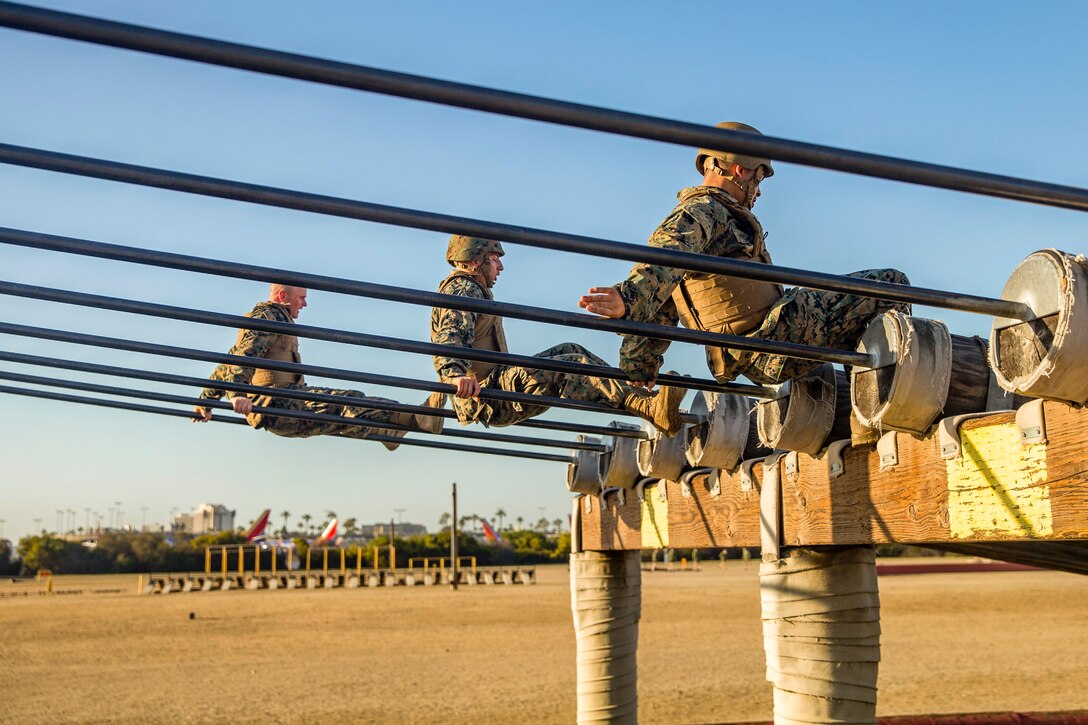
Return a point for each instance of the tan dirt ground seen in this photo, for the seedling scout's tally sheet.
(976, 642)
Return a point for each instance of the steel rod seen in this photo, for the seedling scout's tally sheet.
(380, 342)
(398, 216)
(116, 252)
(284, 413)
(79, 338)
(121, 405)
(132, 373)
(403, 85)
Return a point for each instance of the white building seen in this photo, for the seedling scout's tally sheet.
(206, 518)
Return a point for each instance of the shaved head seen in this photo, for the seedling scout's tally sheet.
(293, 298)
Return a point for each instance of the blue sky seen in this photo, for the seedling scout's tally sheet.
(992, 86)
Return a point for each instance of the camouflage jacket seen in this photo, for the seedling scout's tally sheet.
(707, 221)
(252, 343)
(455, 327)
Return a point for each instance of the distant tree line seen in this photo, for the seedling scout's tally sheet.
(122, 553)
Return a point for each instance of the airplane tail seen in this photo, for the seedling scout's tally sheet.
(255, 533)
(490, 533)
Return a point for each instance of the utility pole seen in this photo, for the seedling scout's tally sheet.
(392, 548)
(453, 540)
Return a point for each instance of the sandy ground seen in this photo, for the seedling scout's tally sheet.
(976, 642)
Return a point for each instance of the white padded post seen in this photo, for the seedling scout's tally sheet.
(606, 601)
(821, 633)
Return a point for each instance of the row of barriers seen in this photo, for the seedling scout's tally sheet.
(434, 576)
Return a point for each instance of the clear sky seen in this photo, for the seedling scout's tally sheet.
(992, 86)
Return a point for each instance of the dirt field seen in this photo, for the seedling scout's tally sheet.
(973, 642)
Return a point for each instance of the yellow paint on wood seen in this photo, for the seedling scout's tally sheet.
(996, 485)
(655, 518)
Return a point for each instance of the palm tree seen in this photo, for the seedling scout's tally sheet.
(285, 514)
(349, 526)
(306, 521)
(542, 524)
(558, 523)
(521, 523)
(444, 520)
(500, 514)
(330, 515)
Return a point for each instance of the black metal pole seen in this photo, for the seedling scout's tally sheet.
(148, 348)
(453, 540)
(366, 211)
(134, 374)
(121, 405)
(69, 245)
(347, 75)
(383, 342)
(284, 413)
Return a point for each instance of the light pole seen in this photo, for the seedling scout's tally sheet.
(117, 507)
(400, 517)
(143, 518)
(37, 525)
(87, 523)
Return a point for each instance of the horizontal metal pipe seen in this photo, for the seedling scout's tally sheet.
(79, 338)
(346, 75)
(380, 342)
(366, 211)
(284, 413)
(121, 405)
(69, 245)
(132, 373)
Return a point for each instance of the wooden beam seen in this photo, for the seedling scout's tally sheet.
(997, 490)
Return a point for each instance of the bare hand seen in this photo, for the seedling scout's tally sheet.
(241, 405)
(648, 384)
(467, 387)
(604, 301)
(201, 414)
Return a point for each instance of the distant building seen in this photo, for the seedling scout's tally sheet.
(401, 529)
(207, 518)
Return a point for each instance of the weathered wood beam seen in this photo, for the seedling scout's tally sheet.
(996, 490)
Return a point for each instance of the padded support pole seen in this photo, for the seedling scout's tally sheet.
(606, 600)
(821, 633)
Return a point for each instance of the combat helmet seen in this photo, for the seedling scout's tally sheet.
(748, 162)
(470, 249)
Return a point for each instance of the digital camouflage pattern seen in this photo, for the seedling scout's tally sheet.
(709, 221)
(255, 343)
(541, 382)
(456, 327)
(470, 249)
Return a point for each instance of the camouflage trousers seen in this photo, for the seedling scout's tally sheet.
(811, 317)
(298, 428)
(540, 382)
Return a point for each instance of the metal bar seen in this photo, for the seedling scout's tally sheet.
(133, 373)
(148, 348)
(120, 405)
(380, 342)
(347, 75)
(398, 216)
(69, 245)
(283, 413)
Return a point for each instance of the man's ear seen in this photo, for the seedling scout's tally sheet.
(742, 173)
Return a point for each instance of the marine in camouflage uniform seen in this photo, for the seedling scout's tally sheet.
(283, 307)
(476, 266)
(711, 219)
